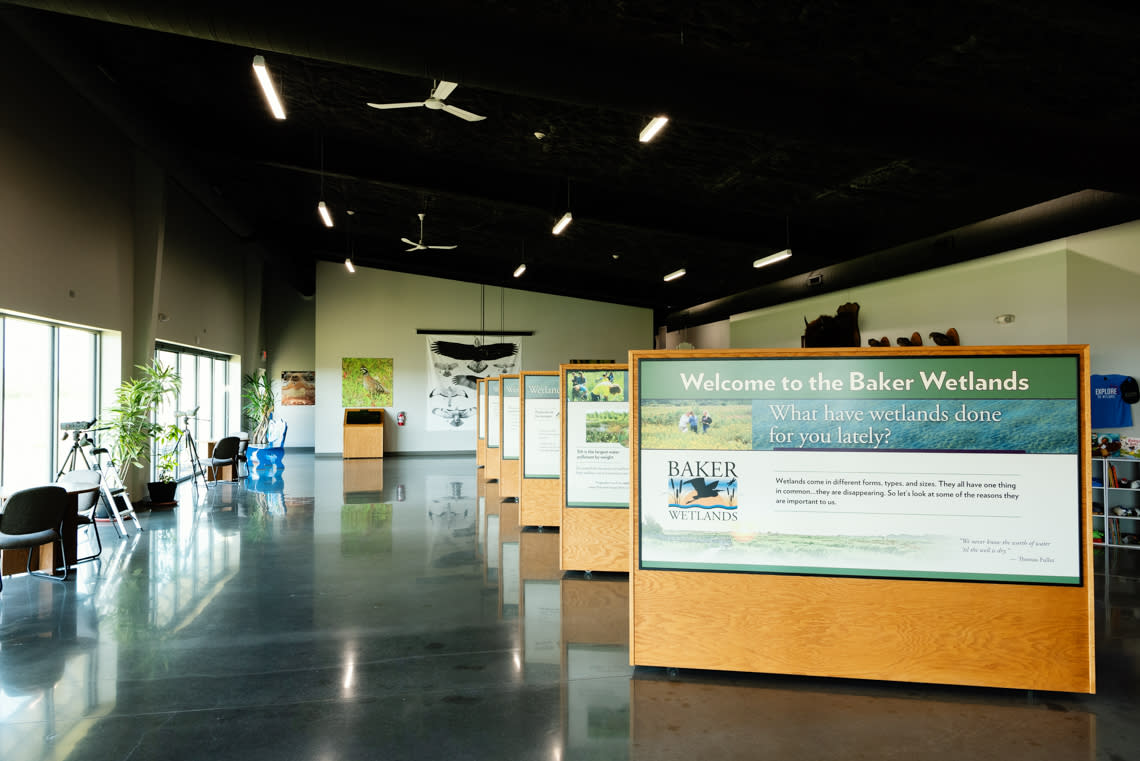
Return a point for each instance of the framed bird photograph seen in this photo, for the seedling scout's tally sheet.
(366, 382)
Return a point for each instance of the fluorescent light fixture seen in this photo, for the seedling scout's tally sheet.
(348, 264)
(519, 270)
(675, 274)
(649, 131)
(262, 72)
(326, 215)
(562, 223)
(779, 256)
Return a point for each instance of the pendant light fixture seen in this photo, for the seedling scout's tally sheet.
(675, 275)
(649, 131)
(322, 207)
(519, 270)
(348, 265)
(267, 88)
(566, 219)
(779, 256)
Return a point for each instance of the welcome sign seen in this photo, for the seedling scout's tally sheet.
(921, 467)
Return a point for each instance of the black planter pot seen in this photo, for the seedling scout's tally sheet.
(161, 492)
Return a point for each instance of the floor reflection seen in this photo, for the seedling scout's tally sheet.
(395, 609)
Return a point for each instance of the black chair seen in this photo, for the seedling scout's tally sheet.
(225, 453)
(33, 517)
(80, 480)
(243, 445)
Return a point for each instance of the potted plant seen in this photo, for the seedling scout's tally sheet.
(165, 465)
(257, 391)
(130, 421)
(267, 436)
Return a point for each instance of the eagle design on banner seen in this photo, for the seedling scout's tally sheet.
(455, 365)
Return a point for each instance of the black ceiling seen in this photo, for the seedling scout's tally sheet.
(847, 128)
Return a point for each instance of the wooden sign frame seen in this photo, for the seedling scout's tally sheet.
(509, 467)
(540, 499)
(1009, 634)
(481, 423)
(592, 538)
(493, 464)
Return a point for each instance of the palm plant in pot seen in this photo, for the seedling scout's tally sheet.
(132, 427)
(166, 454)
(267, 437)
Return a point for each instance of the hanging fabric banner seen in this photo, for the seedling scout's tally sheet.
(455, 364)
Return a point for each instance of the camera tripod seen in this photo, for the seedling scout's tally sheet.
(111, 488)
(76, 453)
(188, 437)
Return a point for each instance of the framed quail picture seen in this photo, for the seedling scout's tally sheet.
(366, 382)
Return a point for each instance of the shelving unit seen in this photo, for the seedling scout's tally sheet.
(1115, 476)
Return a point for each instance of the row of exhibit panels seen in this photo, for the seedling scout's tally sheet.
(575, 630)
(865, 491)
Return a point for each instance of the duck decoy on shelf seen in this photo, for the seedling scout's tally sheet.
(949, 338)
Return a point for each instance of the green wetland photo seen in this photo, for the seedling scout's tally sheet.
(719, 425)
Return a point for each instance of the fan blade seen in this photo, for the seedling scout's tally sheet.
(443, 89)
(409, 242)
(395, 105)
(445, 247)
(462, 114)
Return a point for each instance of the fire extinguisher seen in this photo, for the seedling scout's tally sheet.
(401, 419)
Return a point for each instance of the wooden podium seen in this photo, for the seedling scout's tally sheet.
(363, 433)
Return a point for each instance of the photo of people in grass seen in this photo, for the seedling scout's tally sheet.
(597, 385)
(688, 424)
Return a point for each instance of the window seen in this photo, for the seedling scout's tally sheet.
(49, 377)
(205, 383)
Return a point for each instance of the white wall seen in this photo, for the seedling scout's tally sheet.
(1104, 285)
(714, 335)
(1029, 283)
(1079, 290)
(375, 313)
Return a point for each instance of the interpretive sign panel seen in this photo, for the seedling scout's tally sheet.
(481, 386)
(494, 419)
(512, 438)
(541, 426)
(930, 467)
(596, 435)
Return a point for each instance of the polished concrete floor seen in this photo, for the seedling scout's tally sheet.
(379, 610)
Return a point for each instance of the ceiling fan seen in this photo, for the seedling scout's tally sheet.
(435, 102)
(420, 245)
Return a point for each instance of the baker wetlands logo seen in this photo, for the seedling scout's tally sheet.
(702, 490)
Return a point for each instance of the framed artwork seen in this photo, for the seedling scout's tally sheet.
(366, 382)
(298, 388)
